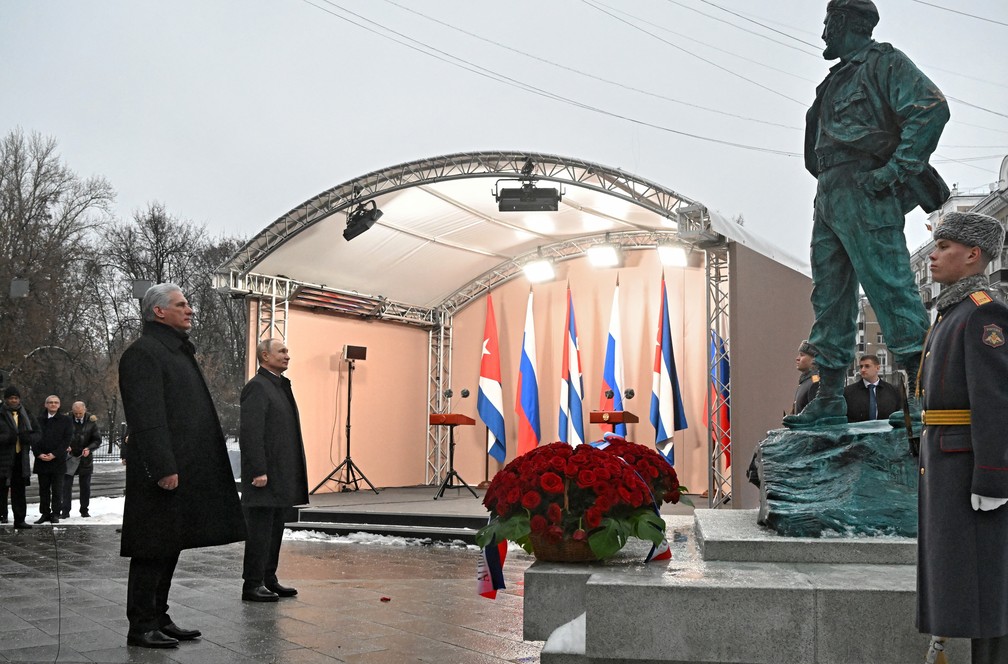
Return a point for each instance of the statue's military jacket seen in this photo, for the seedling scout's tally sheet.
(878, 104)
(963, 554)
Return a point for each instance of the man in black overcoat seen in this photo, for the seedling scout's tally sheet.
(86, 439)
(274, 476)
(859, 397)
(180, 491)
(50, 452)
(962, 542)
(18, 432)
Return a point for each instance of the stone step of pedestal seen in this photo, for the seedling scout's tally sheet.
(719, 612)
(734, 535)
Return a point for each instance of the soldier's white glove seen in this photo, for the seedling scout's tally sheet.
(986, 503)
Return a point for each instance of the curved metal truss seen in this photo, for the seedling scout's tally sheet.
(612, 181)
(689, 219)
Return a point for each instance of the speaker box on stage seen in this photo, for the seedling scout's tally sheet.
(354, 352)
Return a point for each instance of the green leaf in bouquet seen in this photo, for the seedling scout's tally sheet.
(609, 537)
(648, 526)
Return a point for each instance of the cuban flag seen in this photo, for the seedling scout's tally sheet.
(527, 401)
(571, 383)
(490, 400)
(612, 369)
(667, 413)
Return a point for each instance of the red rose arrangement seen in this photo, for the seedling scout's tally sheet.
(559, 492)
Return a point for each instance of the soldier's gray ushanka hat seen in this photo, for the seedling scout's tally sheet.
(973, 230)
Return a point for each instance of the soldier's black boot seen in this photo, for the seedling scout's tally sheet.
(829, 406)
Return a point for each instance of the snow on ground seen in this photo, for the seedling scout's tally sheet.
(109, 511)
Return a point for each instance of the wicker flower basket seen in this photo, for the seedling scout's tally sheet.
(564, 551)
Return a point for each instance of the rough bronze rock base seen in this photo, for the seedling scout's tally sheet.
(849, 479)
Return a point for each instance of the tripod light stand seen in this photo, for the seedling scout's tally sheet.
(353, 474)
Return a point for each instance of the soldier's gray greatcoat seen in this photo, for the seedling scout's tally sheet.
(962, 566)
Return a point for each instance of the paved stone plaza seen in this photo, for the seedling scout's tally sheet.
(64, 594)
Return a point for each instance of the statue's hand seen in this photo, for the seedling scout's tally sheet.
(877, 181)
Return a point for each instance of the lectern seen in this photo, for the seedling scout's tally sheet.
(612, 417)
(452, 420)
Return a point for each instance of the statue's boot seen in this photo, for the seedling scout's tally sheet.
(829, 406)
(898, 419)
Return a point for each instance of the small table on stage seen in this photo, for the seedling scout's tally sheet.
(452, 420)
(612, 417)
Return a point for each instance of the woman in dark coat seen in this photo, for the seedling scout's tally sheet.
(50, 458)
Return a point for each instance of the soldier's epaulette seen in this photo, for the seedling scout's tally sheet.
(980, 298)
(815, 378)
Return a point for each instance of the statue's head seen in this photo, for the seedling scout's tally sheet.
(848, 23)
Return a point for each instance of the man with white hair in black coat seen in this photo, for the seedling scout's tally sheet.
(180, 490)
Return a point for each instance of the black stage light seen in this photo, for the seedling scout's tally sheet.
(528, 198)
(361, 219)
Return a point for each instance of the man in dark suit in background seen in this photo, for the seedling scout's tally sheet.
(86, 439)
(180, 490)
(870, 397)
(274, 476)
(50, 458)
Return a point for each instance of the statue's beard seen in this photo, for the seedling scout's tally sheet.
(833, 39)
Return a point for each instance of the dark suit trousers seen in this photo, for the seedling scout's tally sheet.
(85, 492)
(16, 482)
(50, 486)
(147, 594)
(990, 651)
(262, 545)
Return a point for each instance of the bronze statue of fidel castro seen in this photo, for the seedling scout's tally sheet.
(874, 123)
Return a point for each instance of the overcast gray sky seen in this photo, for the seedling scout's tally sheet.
(232, 112)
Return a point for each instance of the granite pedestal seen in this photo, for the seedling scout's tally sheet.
(734, 592)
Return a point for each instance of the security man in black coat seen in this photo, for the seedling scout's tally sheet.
(274, 475)
(180, 490)
(808, 380)
(962, 542)
(18, 432)
(859, 397)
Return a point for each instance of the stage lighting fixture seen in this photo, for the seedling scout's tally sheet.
(539, 270)
(603, 255)
(673, 255)
(360, 219)
(528, 198)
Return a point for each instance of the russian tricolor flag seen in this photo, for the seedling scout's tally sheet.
(667, 413)
(490, 400)
(612, 369)
(571, 383)
(527, 401)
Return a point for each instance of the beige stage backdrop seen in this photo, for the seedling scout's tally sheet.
(389, 400)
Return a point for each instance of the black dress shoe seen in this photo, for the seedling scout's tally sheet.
(283, 591)
(259, 594)
(152, 639)
(3, 518)
(85, 514)
(21, 525)
(65, 515)
(176, 632)
(43, 519)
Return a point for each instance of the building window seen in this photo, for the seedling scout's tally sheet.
(878, 338)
